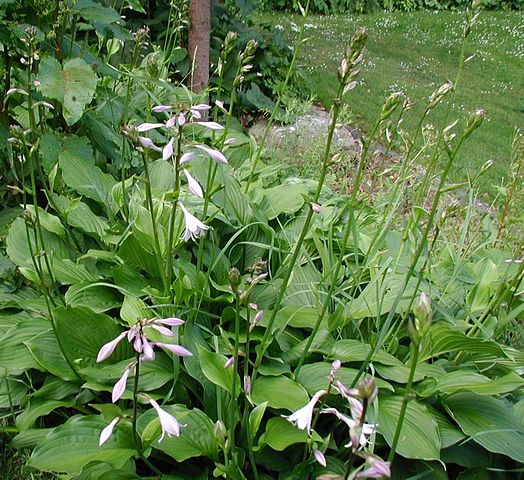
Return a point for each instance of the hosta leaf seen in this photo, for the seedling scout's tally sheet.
(443, 339)
(400, 373)
(212, 365)
(281, 199)
(196, 437)
(47, 353)
(36, 409)
(15, 357)
(80, 172)
(74, 444)
(73, 85)
(419, 435)
(82, 333)
(234, 202)
(271, 390)
(98, 298)
(489, 422)
(351, 350)
(29, 438)
(280, 434)
(12, 391)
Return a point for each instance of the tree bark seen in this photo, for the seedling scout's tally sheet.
(199, 37)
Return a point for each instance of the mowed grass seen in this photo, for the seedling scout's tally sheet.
(415, 53)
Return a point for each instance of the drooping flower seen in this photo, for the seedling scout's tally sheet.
(193, 185)
(169, 424)
(319, 457)
(194, 228)
(167, 151)
(302, 418)
(377, 469)
(107, 350)
(214, 154)
(107, 431)
(148, 143)
(358, 436)
(120, 387)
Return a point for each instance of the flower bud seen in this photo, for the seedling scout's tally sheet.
(474, 121)
(390, 105)
(219, 430)
(423, 313)
(234, 278)
(367, 389)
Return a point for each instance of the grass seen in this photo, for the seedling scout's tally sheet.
(417, 52)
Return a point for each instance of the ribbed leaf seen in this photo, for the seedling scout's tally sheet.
(489, 422)
(279, 392)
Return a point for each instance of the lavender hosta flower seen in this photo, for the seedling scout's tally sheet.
(169, 424)
(107, 431)
(319, 457)
(162, 108)
(167, 151)
(210, 125)
(229, 362)
(302, 418)
(120, 387)
(194, 228)
(214, 154)
(173, 348)
(193, 185)
(145, 127)
(377, 469)
(354, 427)
(107, 350)
(148, 143)
(186, 157)
(197, 110)
(181, 119)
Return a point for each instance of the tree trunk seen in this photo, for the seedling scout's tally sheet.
(199, 36)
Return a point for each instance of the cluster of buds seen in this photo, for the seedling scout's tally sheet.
(244, 62)
(474, 121)
(472, 15)
(348, 71)
(390, 105)
(141, 36)
(437, 96)
(229, 43)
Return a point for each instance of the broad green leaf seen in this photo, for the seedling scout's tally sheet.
(450, 434)
(73, 85)
(162, 176)
(80, 172)
(472, 381)
(71, 446)
(489, 422)
(419, 435)
(314, 377)
(234, 202)
(98, 298)
(36, 409)
(68, 272)
(83, 218)
(12, 390)
(442, 338)
(29, 438)
(196, 439)
(212, 365)
(280, 434)
(96, 13)
(351, 350)
(287, 198)
(15, 357)
(46, 351)
(255, 417)
(82, 332)
(49, 222)
(400, 373)
(279, 392)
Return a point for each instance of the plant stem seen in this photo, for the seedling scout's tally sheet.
(415, 350)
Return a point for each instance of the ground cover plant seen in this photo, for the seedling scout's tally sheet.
(412, 53)
(172, 308)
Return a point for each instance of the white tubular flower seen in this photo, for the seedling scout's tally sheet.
(214, 154)
(145, 127)
(169, 424)
(162, 108)
(167, 151)
(211, 125)
(107, 431)
(378, 469)
(302, 417)
(193, 185)
(107, 350)
(319, 457)
(176, 349)
(194, 227)
(171, 321)
(181, 119)
(367, 429)
(120, 386)
(186, 157)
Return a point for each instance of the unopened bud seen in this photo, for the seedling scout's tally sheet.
(423, 313)
(391, 103)
(230, 362)
(315, 207)
(474, 121)
(219, 430)
(367, 389)
(234, 278)
(439, 94)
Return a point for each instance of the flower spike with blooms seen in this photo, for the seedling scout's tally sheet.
(194, 227)
(302, 418)
(360, 440)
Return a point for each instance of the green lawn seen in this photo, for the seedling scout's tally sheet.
(417, 52)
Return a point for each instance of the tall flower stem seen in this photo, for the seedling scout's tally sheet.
(149, 197)
(233, 404)
(346, 74)
(415, 349)
(136, 379)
